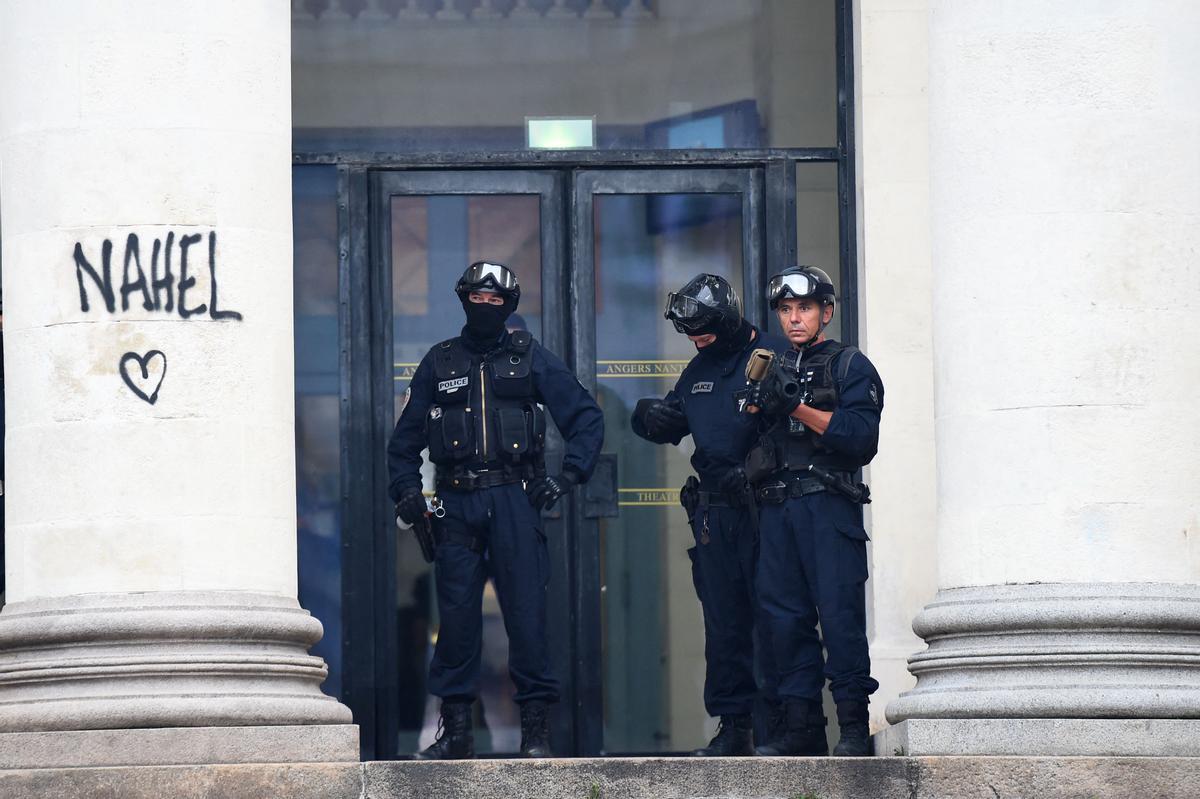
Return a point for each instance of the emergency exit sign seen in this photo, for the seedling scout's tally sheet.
(560, 133)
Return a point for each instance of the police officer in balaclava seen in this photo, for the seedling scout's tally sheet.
(705, 404)
(476, 401)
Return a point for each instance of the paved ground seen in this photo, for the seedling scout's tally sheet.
(635, 778)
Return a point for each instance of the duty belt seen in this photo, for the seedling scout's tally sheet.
(813, 480)
(472, 479)
(777, 491)
(717, 499)
(801, 484)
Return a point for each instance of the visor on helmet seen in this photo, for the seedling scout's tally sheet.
(689, 315)
(483, 275)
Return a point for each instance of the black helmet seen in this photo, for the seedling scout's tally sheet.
(489, 276)
(707, 304)
(800, 282)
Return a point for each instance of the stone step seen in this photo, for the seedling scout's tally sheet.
(633, 778)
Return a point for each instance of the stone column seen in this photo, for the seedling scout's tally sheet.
(151, 536)
(896, 327)
(1065, 199)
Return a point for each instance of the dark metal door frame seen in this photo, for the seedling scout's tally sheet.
(362, 463)
(588, 665)
(567, 238)
(368, 415)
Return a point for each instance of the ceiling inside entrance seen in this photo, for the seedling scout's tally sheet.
(465, 74)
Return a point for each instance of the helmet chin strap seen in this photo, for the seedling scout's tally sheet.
(820, 329)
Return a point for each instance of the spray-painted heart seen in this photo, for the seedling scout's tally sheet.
(137, 382)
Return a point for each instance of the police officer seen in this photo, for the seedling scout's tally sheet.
(705, 404)
(474, 401)
(820, 404)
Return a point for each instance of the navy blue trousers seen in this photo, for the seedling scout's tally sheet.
(812, 567)
(516, 559)
(723, 573)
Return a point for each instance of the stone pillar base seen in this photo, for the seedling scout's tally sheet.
(1041, 737)
(180, 746)
(1057, 651)
(170, 659)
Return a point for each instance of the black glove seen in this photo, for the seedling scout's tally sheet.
(733, 483)
(777, 394)
(411, 507)
(664, 419)
(545, 491)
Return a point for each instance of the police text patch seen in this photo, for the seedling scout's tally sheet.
(703, 387)
(450, 386)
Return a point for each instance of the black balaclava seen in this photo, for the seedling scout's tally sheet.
(485, 322)
(729, 343)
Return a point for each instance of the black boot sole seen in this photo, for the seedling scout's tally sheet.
(855, 751)
(770, 751)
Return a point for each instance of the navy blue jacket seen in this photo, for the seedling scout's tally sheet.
(711, 389)
(573, 409)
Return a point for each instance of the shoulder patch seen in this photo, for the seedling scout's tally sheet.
(873, 390)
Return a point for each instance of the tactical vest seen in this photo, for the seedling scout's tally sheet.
(485, 412)
(789, 445)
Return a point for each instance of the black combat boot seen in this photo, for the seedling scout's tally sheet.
(776, 721)
(734, 738)
(455, 740)
(535, 730)
(856, 738)
(804, 735)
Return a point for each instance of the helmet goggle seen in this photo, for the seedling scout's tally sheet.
(689, 315)
(483, 275)
(798, 285)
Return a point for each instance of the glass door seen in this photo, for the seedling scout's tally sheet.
(636, 235)
(595, 263)
(427, 227)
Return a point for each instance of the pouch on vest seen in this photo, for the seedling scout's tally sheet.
(824, 399)
(512, 427)
(512, 375)
(451, 436)
(761, 460)
(537, 426)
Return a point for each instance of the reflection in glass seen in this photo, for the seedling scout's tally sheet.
(817, 231)
(433, 239)
(653, 636)
(463, 75)
(318, 434)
